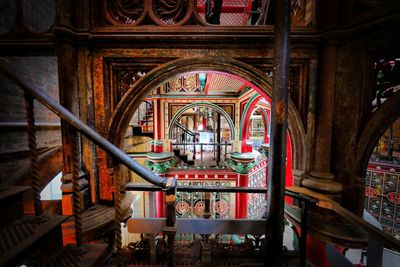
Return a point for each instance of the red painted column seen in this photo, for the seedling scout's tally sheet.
(266, 126)
(157, 120)
(158, 146)
(249, 146)
(204, 123)
(195, 122)
(241, 198)
(246, 143)
(289, 170)
(160, 204)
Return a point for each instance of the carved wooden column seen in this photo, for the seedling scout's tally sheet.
(74, 69)
(69, 98)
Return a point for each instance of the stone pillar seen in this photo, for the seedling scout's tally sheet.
(319, 178)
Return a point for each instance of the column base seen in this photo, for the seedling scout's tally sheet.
(298, 175)
(322, 182)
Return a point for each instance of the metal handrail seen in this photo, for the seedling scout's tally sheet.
(328, 203)
(186, 130)
(305, 201)
(389, 240)
(91, 134)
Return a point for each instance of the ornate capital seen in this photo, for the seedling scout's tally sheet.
(159, 163)
(242, 163)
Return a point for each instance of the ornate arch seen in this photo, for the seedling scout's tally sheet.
(206, 104)
(254, 77)
(380, 121)
(266, 121)
(247, 110)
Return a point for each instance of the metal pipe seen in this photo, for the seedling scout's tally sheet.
(170, 227)
(279, 107)
(17, 124)
(91, 134)
(303, 237)
(218, 160)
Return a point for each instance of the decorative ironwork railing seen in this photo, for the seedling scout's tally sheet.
(257, 202)
(19, 16)
(202, 12)
(208, 150)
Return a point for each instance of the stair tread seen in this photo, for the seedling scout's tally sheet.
(11, 191)
(21, 234)
(85, 256)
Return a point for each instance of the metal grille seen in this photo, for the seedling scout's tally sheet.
(257, 202)
(234, 12)
(382, 196)
(191, 205)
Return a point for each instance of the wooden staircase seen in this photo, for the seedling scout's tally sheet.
(37, 240)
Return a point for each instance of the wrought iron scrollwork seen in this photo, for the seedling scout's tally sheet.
(171, 12)
(125, 12)
(161, 12)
